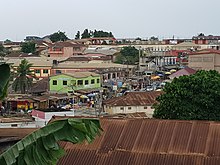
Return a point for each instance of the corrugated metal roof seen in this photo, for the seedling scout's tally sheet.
(134, 98)
(148, 141)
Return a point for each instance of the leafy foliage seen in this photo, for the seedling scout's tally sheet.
(28, 47)
(3, 51)
(77, 36)
(128, 55)
(191, 97)
(24, 77)
(4, 80)
(41, 147)
(85, 34)
(58, 36)
(100, 33)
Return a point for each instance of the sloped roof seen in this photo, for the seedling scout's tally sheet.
(40, 86)
(134, 99)
(20, 54)
(148, 142)
(185, 71)
(205, 51)
(186, 44)
(79, 74)
(65, 44)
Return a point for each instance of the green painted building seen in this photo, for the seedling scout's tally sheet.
(64, 83)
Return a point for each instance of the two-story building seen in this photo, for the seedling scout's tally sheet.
(208, 59)
(65, 49)
(68, 83)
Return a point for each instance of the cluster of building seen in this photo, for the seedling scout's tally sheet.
(82, 73)
(80, 78)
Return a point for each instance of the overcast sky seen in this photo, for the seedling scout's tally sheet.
(125, 18)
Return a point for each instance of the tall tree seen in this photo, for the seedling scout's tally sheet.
(4, 80)
(191, 97)
(28, 47)
(128, 55)
(41, 146)
(77, 36)
(85, 34)
(58, 36)
(24, 77)
(1, 48)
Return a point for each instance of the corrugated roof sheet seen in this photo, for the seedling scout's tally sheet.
(149, 142)
(182, 72)
(134, 99)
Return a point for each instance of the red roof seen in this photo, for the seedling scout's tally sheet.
(206, 51)
(148, 142)
(134, 99)
(185, 71)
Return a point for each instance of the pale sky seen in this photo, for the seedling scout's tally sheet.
(125, 18)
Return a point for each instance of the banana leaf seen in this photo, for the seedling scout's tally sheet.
(41, 147)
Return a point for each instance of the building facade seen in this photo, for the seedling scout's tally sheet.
(205, 60)
(68, 83)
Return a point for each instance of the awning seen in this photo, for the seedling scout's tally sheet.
(167, 73)
(83, 97)
(155, 77)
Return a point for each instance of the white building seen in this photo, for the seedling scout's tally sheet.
(132, 102)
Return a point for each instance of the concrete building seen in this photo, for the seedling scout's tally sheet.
(64, 83)
(208, 59)
(132, 102)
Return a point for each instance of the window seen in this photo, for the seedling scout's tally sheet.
(64, 82)
(97, 80)
(58, 72)
(45, 71)
(145, 107)
(86, 82)
(122, 108)
(37, 71)
(80, 82)
(93, 81)
(129, 108)
(54, 82)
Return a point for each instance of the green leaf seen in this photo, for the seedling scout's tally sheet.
(41, 146)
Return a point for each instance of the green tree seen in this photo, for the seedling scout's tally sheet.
(28, 47)
(77, 36)
(24, 77)
(1, 48)
(41, 146)
(58, 36)
(194, 97)
(85, 34)
(4, 80)
(154, 38)
(128, 55)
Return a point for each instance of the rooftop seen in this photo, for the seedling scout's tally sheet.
(182, 72)
(79, 74)
(134, 99)
(149, 142)
(205, 51)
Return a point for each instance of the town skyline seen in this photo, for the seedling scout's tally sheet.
(126, 19)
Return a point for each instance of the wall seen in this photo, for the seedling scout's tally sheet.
(134, 109)
(70, 86)
(203, 61)
(68, 51)
(42, 118)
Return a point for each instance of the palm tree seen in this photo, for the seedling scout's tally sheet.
(24, 77)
